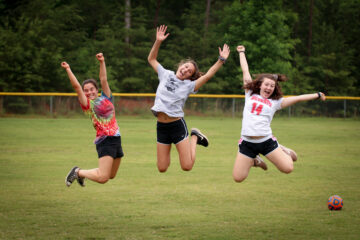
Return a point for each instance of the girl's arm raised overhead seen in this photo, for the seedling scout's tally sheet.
(160, 37)
(102, 75)
(223, 55)
(75, 84)
(244, 65)
(301, 98)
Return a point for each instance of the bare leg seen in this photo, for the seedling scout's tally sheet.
(281, 160)
(290, 152)
(100, 174)
(115, 167)
(163, 156)
(242, 167)
(187, 152)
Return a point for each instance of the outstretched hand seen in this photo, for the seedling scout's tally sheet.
(160, 33)
(65, 65)
(240, 48)
(225, 51)
(323, 97)
(100, 57)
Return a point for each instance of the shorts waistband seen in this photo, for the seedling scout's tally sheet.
(252, 140)
(170, 123)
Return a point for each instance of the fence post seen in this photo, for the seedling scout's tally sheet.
(1, 104)
(289, 111)
(51, 105)
(344, 108)
(233, 107)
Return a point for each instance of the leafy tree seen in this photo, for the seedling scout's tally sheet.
(261, 26)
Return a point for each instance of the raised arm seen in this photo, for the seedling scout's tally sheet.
(102, 75)
(302, 98)
(75, 84)
(160, 37)
(244, 65)
(223, 55)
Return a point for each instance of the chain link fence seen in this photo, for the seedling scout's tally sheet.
(68, 106)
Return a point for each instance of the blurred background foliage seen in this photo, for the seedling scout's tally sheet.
(315, 43)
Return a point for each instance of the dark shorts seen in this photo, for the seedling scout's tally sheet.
(110, 146)
(173, 132)
(252, 149)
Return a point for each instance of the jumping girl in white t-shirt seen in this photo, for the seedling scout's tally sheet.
(171, 94)
(263, 97)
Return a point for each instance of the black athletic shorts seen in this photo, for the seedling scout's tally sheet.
(252, 149)
(110, 146)
(173, 132)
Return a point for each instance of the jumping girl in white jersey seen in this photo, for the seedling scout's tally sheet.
(263, 97)
(171, 94)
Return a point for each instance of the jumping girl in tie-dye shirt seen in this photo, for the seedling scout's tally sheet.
(102, 113)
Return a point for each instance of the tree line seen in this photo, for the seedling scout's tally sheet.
(315, 43)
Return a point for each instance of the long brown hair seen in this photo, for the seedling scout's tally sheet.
(196, 73)
(254, 85)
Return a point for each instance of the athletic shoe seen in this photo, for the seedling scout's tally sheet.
(81, 181)
(259, 162)
(201, 138)
(72, 175)
(289, 152)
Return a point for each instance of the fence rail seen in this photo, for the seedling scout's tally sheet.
(197, 104)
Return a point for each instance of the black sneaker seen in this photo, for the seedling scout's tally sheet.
(201, 138)
(81, 181)
(259, 162)
(72, 175)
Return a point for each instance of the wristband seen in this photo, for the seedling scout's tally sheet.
(222, 59)
(319, 95)
(241, 52)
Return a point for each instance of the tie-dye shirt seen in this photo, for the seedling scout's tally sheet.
(102, 113)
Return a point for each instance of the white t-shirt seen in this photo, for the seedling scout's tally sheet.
(258, 114)
(171, 93)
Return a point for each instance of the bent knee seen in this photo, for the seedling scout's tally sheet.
(239, 178)
(287, 169)
(187, 167)
(162, 169)
(103, 180)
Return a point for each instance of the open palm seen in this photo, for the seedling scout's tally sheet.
(160, 33)
(225, 51)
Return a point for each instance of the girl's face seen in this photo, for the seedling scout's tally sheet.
(185, 71)
(90, 91)
(267, 87)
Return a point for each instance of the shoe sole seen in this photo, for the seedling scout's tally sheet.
(200, 133)
(68, 184)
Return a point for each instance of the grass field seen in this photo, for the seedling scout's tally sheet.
(205, 203)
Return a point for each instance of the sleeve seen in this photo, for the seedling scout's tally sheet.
(108, 98)
(248, 94)
(161, 72)
(86, 108)
(278, 104)
(192, 87)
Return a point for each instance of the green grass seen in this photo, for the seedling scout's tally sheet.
(205, 203)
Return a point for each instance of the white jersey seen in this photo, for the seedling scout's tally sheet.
(171, 93)
(258, 114)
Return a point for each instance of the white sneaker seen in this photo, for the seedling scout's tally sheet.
(289, 152)
(259, 162)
